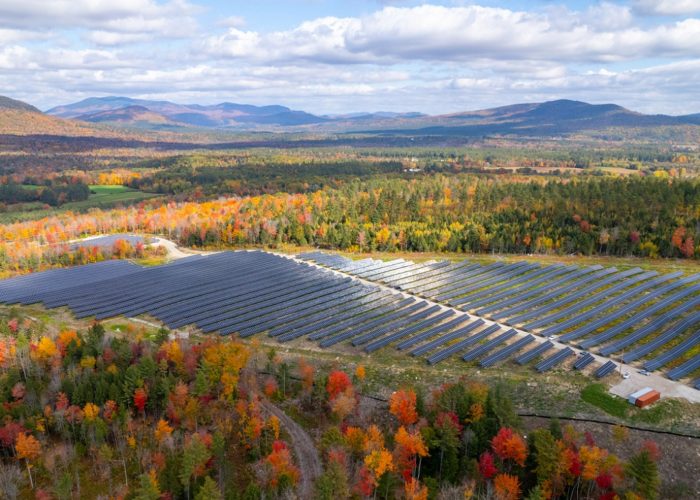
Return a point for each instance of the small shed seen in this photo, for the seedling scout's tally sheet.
(648, 398)
(632, 398)
(644, 397)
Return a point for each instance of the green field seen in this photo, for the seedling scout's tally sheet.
(107, 196)
(101, 196)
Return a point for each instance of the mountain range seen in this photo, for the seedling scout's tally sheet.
(551, 118)
(224, 115)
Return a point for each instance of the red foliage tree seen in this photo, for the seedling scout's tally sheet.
(140, 399)
(338, 383)
(487, 468)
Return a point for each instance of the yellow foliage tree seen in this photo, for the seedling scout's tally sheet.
(46, 349)
(162, 431)
(91, 411)
(379, 462)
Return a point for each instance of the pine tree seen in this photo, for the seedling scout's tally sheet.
(148, 488)
(644, 473)
(209, 491)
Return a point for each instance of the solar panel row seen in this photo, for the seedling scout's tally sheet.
(591, 305)
(255, 292)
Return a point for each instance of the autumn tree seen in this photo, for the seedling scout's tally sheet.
(402, 404)
(284, 473)
(506, 487)
(28, 449)
(408, 447)
(338, 383)
(508, 445)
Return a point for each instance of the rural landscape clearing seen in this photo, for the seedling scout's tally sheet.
(349, 250)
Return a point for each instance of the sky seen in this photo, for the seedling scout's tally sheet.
(341, 56)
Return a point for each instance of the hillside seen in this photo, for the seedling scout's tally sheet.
(133, 115)
(558, 117)
(13, 104)
(124, 110)
(21, 119)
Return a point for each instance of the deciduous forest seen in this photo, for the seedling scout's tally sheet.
(641, 216)
(145, 415)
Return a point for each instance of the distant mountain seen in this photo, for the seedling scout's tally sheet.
(550, 118)
(124, 110)
(545, 119)
(7, 103)
(132, 115)
(692, 118)
(373, 116)
(20, 118)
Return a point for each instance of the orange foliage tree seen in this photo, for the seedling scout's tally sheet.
(506, 487)
(28, 449)
(402, 404)
(508, 445)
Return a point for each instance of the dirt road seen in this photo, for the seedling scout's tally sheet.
(303, 447)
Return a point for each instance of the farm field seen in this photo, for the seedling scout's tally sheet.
(101, 196)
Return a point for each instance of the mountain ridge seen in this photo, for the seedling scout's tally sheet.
(550, 118)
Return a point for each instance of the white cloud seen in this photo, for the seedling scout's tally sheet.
(668, 7)
(427, 58)
(112, 38)
(110, 22)
(432, 32)
(232, 22)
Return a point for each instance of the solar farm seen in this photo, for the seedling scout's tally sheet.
(588, 318)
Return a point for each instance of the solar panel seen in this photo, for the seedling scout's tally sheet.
(496, 284)
(538, 351)
(507, 351)
(462, 344)
(554, 360)
(579, 304)
(382, 342)
(661, 340)
(545, 296)
(404, 322)
(481, 350)
(448, 337)
(591, 326)
(685, 369)
(607, 368)
(450, 325)
(527, 282)
(607, 301)
(675, 352)
(638, 318)
(583, 361)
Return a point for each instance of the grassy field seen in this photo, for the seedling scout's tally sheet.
(597, 395)
(104, 196)
(101, 196)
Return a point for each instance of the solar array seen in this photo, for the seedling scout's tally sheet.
(108, 241)
(631, 313)
(653, 316)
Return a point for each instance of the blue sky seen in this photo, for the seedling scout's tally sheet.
(337, 56)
